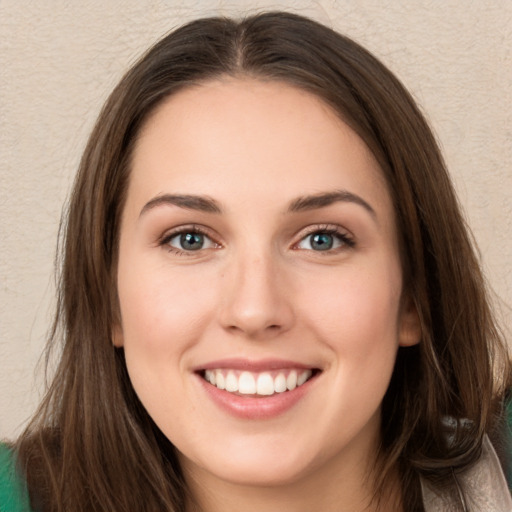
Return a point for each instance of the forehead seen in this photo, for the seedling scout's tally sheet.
(259, 138)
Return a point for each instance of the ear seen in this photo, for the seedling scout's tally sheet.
(409, 327)
(117, 335)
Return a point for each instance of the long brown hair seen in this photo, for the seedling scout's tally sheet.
(92, 446)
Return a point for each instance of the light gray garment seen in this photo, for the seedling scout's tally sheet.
(484, 484)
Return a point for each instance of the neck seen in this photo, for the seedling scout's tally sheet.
(330, 489)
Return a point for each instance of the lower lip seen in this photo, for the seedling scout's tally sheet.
(256, 408)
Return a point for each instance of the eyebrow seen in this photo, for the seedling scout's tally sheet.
(324, 199)
(304, 203)
(187, 201)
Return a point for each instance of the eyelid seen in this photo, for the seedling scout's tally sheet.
(168, 235)
(344, 234)
(184, 228)
(334, 229)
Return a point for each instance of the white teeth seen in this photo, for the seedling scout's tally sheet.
(246, 384)
(219, 380)
(210, 376)
(231, 382)
(264, 384)
(291, 380)
(280, 383)
(303, 377)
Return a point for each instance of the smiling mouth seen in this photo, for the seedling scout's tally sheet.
(267, 383)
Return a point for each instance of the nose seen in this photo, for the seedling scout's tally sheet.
(257, 303)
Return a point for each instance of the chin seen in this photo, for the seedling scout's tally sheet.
(261, 475)
(258, 467)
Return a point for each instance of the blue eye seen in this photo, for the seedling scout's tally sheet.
(322, 241)
(189, 241)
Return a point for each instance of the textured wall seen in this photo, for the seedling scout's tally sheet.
(59, 60)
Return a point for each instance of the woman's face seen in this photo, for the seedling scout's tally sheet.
(258, 252)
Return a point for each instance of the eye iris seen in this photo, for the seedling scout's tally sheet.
(192, 241)
(322, 241)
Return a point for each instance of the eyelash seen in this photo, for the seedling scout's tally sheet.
(165, 241)
(346, 241)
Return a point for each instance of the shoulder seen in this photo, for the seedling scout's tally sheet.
(13, 491)
(484, 485)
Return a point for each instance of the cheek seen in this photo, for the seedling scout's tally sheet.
(358, 321)
(357, 318)
(357, 305)
(163, 316)
(160, 309)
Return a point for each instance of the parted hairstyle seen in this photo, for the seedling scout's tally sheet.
(92, 446)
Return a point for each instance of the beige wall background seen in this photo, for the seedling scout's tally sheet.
(60, 59)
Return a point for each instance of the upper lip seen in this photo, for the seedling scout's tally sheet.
(254, 365)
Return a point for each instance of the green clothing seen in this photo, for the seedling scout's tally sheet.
(13, 491)
(509, 436)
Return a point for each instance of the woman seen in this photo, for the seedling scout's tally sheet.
(269, 299)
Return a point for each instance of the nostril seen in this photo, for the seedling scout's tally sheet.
(269, 328)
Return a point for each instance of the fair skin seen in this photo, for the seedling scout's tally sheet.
(258, 238)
